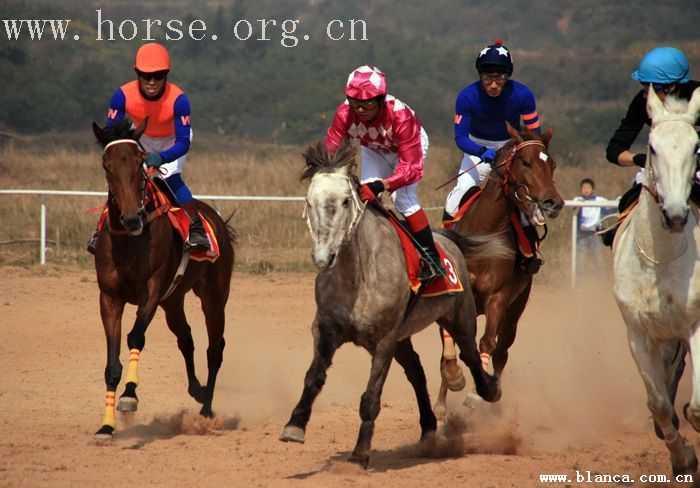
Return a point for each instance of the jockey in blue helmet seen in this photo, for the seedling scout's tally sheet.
(667, 70)
(481, 112)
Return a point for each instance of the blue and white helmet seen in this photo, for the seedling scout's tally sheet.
(495, 57)
(664, 65)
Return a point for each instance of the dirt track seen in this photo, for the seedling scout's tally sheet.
(572, 398)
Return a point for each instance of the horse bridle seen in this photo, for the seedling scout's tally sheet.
(142, 209)
(358, 210)
(509, 180)
(649, 166)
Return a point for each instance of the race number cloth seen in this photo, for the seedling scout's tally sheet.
(439, 286)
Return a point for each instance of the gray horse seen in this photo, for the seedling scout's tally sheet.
(363, 296)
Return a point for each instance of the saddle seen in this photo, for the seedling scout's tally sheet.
(449, 284)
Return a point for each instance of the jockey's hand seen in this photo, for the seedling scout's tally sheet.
(488, 156)
(154, 160)
(640, 160)
(370, 191)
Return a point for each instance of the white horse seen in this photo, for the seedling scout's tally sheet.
(657, 272)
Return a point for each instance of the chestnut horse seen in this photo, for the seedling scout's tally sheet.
(522, 178)
(138, 255)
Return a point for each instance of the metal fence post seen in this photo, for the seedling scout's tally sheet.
(42, 241)
(574, 232)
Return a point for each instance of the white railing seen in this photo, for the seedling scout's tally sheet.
(43, 193)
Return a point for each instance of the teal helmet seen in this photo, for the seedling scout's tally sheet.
(663, 65)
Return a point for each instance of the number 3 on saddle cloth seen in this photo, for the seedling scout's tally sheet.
(528, 241)
(450, 284)
(159, 200)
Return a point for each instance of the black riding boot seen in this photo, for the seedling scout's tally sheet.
(532, 264)
(197, 238)
(424, 237)
(92, 243)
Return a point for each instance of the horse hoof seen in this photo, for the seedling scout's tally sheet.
(206, 412)
(472, 400)
(440, 411)
(360, 459)
(105, 434)
(292, 433)
(687, 465)
(127, 404)
(452, 374)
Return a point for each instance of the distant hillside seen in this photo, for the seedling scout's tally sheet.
(576, 56)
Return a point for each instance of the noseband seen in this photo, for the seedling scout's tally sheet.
(509, 180)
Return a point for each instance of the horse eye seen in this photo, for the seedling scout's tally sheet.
(346, 202)
(527, 163)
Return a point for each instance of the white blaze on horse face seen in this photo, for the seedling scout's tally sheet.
(673, 144)
(331, 213)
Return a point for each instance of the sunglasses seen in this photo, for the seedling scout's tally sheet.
(157, 76)
(363, 104)
(498, 78)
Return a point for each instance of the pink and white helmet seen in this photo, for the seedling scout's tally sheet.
(366, 82)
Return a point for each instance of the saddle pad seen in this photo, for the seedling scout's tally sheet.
(181, 223)
(440, 285)
(464, 208)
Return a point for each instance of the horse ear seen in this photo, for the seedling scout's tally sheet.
(97, 131)
(694, 104)
(547, 136)
(655, 106)
(140, 129)
(514, 134)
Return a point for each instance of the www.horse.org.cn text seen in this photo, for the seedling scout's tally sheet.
(284, 31)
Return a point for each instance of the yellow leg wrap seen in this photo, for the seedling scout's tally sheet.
(448, 350)
(131, 376)
(109, 419)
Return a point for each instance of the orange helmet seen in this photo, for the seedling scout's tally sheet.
(152, 57)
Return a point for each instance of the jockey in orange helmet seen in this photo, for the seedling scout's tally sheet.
(168, 133)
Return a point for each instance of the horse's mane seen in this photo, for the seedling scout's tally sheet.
(676, 105)
(320, 160)
(123, 130)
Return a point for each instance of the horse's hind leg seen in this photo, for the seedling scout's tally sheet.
(649, 358)
(111, 312)
(326, 342)
(407, 357)
(213, 305)
(177, 323)
(370, 404)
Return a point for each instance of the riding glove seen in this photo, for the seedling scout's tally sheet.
(370, 191)
(488, 156)
(640, 160)
(154, 159)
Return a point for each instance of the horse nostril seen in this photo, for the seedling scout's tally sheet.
(331, 259)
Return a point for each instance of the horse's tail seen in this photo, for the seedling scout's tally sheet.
(481, 246)
(233, 237)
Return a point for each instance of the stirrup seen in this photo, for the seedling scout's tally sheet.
(92, 244)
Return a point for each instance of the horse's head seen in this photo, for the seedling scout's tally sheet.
(671, 161)
(122, 161)
(333, 207)
(528, 174)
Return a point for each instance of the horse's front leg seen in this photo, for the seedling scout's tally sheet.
(136, 339)
(111, 310)
(495, 310)
(370, 404)
(692, 410)
(650, 361)
(508, 330)
(326, 341)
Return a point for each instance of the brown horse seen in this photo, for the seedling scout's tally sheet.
(138, 255)
(522, 178)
